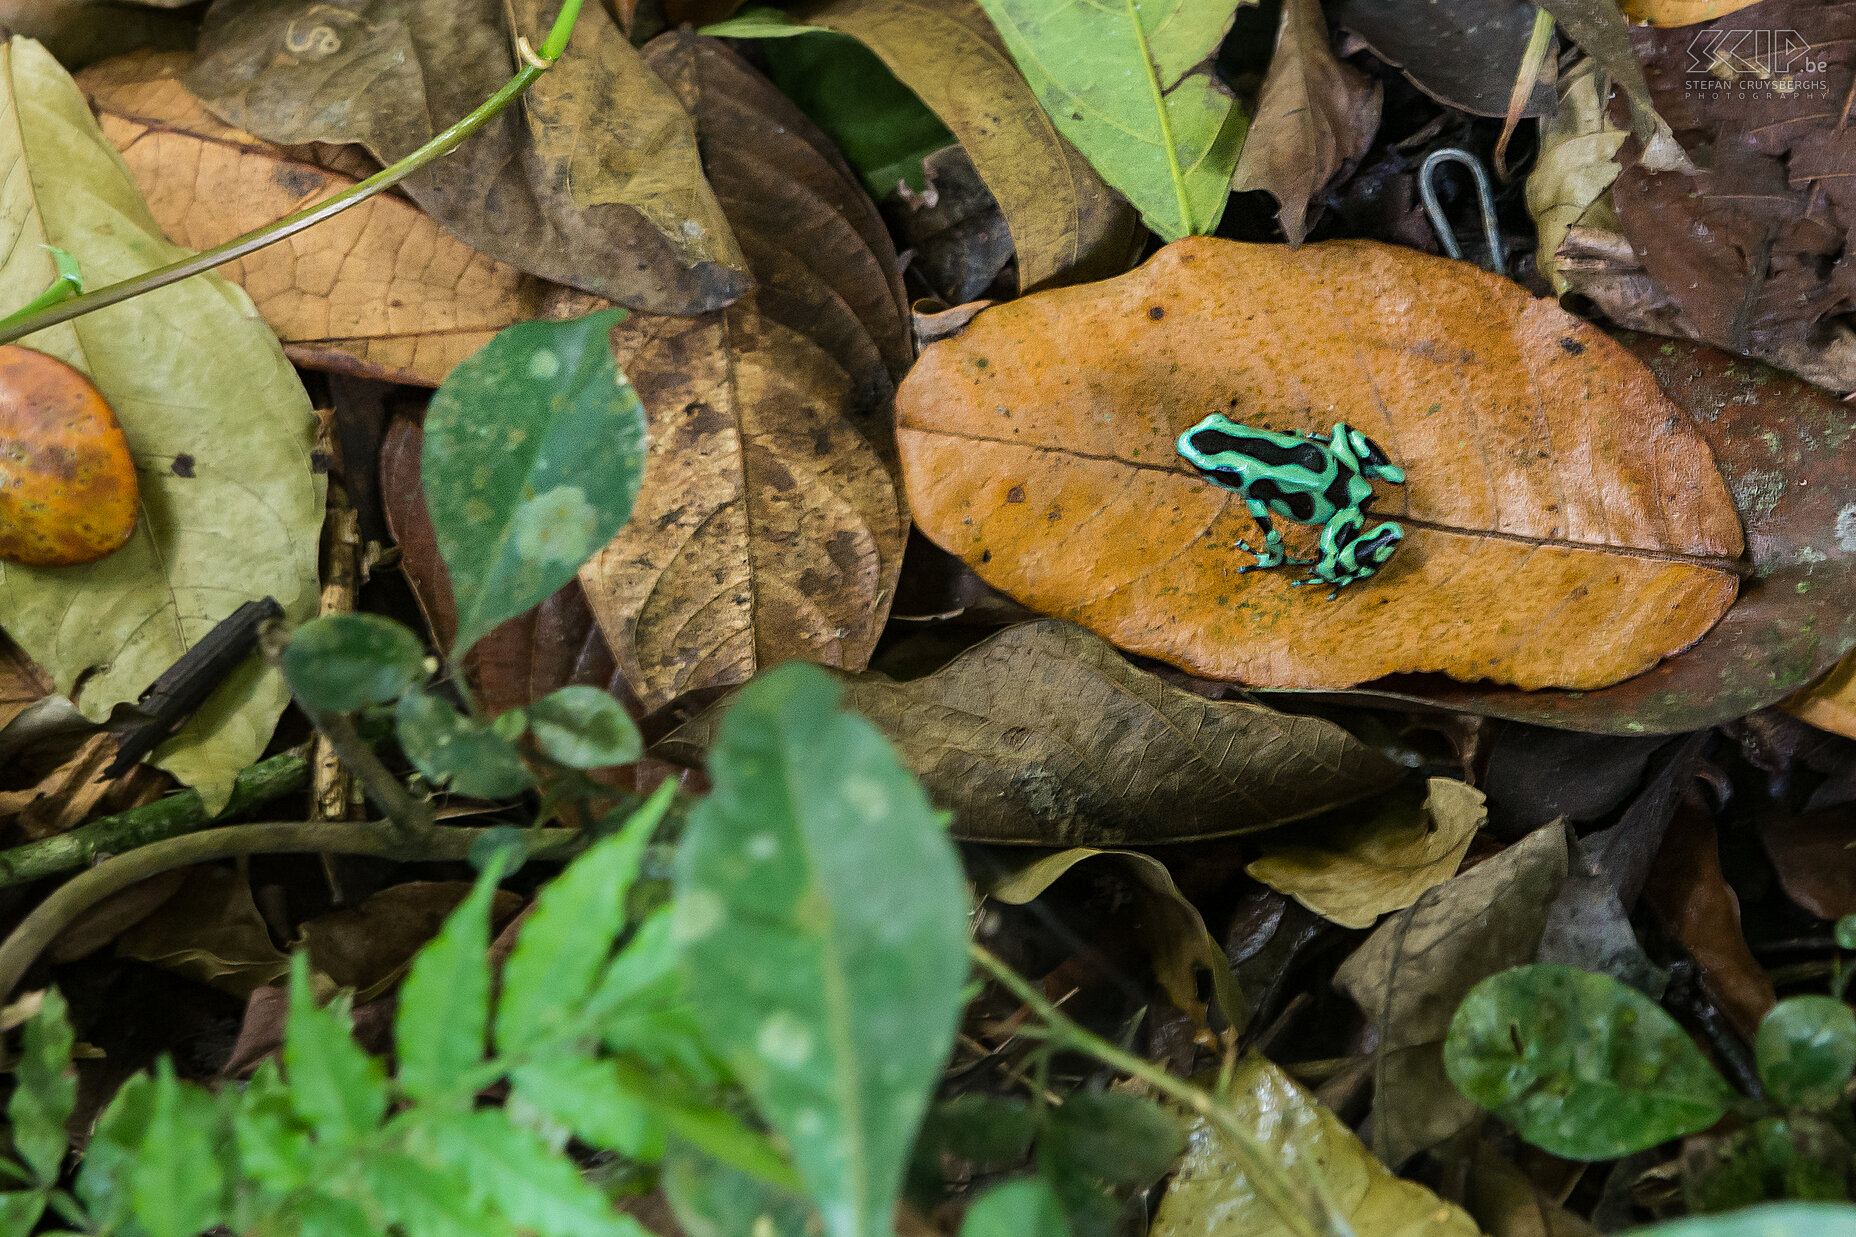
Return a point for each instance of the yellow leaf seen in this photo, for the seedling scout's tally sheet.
(1383, 863)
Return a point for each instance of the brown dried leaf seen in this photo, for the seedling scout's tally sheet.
(1314, 115)
(594, 181)
(1414, 970)
(367, 947)
(381, 289)
(1043, 735)
(211, 932)
(1690, 894)
(767, 526)
(1814, 856)
(1753, 249)
(1466, 53)
(822, 260)
(557, 644)
(22, 683)
(1565, 524)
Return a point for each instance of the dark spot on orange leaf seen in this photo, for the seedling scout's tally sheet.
(1571, 346)
(1015, 495)
(1156, 313)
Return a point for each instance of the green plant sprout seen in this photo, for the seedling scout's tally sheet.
(41, 313)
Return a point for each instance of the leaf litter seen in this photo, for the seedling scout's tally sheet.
(1656, 875)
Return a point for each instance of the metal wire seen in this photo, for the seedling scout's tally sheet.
(1433, 208)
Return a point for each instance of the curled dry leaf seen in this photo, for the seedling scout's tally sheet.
(1575, 167)
(1779, 443)
(1466, 53)
(1414, 970)
(557, 644)
(593, 182)
(1044, 735)
(1067, 224)
(1814, 857)
(1314, 115)
(1211, 1196)
(769, 525)
(368, 946)
(68, 492)
(1187, 959)
(1361, 869)
(209, 931)
(1690, 895)
(382, 289)
(1565, 524)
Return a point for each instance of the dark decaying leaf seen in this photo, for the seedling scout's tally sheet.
(1534, 775)
(1691, 897)
(593, 182)
(519, 661)
(1814, 856)
(1777, 441)
(1415, 969)
(367, 946)
(822, 261)
(1752, 249)
(1044, 735)
(955, 231)
(1465, 53)
(1315, 114)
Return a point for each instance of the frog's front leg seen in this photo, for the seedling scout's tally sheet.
(1272, 553)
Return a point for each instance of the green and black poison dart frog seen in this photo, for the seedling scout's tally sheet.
(1306, 479)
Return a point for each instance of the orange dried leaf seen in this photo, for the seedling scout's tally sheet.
(1565, 523)
(68, 491)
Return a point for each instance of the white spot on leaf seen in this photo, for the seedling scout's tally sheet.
(783, 1040)
(556, 527)
(543, 365)
(1846, 529)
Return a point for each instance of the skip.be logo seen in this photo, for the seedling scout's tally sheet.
(1748, 61)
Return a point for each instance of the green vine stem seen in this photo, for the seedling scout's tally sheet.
(52, 916)
(37, 316)
(165, 818)
(1266, 1176)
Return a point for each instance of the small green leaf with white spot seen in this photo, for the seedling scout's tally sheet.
(534, 449)
(583, 727)
(474, 758)
(343, 662)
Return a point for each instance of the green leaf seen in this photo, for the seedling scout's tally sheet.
(585, 1096)
(343, 662)
(1798, 1156)
(1846, 932)
(20, 1212)
(272, 1140)
(114, 1150)
(336, 1086)
(443, 1019)
(993, 1132)
(1581, 1065)
(882, 128)
(1133, 87)
(218, 423)
(563, 947)
(712, 1199)
(533, 1186)
(1113, 1137)
(426, 1202)
(324, 1215)
(1806, 1050)
(821, 912)
(719, 1133)
(534, 448)
(1772, 1220)
(46, 1091)
(1026, 1207)
(583, 727)
(473, 757)
(177, 1183)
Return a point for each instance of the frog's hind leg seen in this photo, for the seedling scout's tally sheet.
(1272, 554)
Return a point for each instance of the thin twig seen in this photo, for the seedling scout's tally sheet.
(1266, 1176)
(165, 818)
(74, 897)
